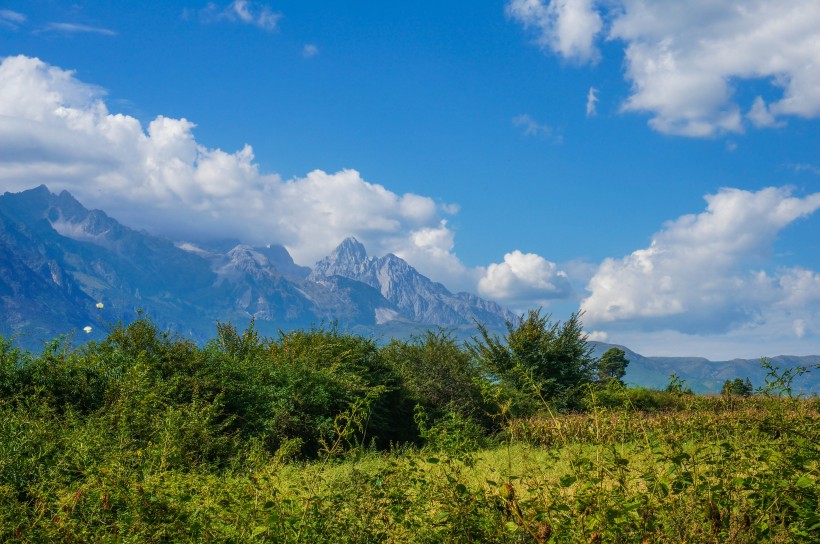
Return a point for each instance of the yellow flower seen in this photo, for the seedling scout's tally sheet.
(100, 305)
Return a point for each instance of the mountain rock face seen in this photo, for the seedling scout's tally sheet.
(51, 242)
(58, 260)
(415, 296)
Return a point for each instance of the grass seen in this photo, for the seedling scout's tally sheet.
(745, 472)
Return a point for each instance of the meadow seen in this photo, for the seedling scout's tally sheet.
(321, 436)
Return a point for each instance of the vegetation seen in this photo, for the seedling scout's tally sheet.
(320, 436)
(737, 387)
(612, 366)
(538, 362)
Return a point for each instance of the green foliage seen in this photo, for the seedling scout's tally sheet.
(294, 387)
(612, 365)
(613, 394)
(538, 361)
(780, 383)
(677, 385)
(452, 433)
(146, 437)
(737, 387)
(439, 376)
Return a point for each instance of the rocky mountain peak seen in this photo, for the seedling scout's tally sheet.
(244, 259)
(70, 207)
(348, 260)
(416, 297)
(283, 262)
(350, 250)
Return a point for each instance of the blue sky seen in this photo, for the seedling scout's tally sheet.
(677, 209)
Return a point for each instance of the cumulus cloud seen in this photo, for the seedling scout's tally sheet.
(685, 60)
(706, 273)
(524, 280)
(598, 336)
(567, 27)
(57, 130)
(243, 12)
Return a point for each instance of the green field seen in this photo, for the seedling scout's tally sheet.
(319, 436)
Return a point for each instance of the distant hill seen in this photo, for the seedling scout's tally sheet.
(705, 376)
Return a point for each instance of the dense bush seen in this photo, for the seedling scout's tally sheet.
(440, 376)
(538, 362)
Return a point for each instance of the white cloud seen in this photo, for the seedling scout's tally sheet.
(531, 127)
(704, 274)
(72, 28)
(241, 11)
(567, 27)
(11, 19)
(309, 50)
(592, 102)
(685, 60)
(431, 250)
(760, 115)
(804, 167)
(57, 130)
(598, 336)
(524, 280)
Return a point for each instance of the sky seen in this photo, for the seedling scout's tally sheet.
(652, 163)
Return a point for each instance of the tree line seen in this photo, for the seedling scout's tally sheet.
(304, 389)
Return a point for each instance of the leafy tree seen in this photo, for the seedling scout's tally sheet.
(439, 376)
(612, 365)
(545, 361)
(737, 387)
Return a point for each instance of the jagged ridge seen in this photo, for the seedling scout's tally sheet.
(57, 259)
(416, 296)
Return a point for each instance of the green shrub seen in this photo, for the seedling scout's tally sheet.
(439, 375)
(546, 362)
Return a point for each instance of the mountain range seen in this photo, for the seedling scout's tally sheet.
(64, 268)
(59, 260)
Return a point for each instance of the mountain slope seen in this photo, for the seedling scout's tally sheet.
(58, 259)
(705, 376)
(416, 297)
(37, 296)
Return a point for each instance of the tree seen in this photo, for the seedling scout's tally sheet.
(546, 361)
(438, 373)
(737, 387)
(612, 365)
